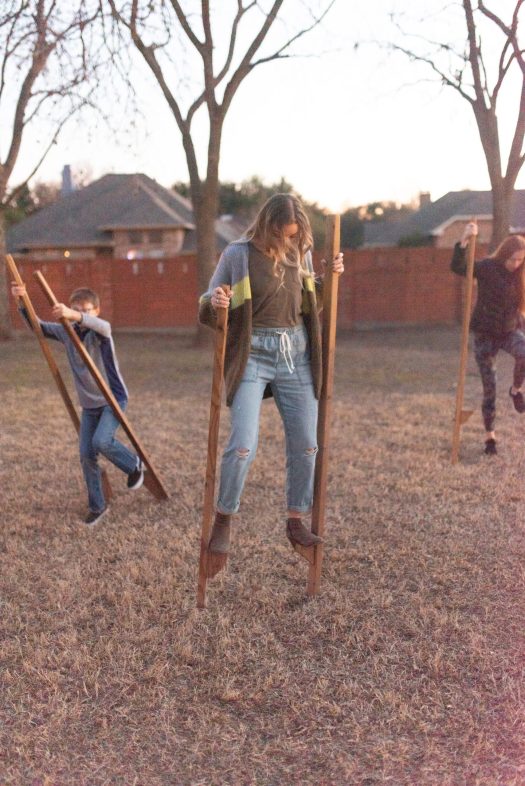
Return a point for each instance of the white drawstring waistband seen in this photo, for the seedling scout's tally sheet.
(285, 348)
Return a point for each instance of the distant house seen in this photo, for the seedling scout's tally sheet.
(440, 223)
(119, 216)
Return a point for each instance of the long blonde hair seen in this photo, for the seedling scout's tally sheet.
(266, 233)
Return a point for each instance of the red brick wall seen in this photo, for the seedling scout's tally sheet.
(412, 285)
(162, 293)
(144, 293)
(398, 286)
(380, 286)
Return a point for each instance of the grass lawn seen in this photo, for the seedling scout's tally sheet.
(406, 670)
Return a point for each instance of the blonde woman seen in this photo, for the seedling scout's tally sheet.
(496, 320)
(273, 349)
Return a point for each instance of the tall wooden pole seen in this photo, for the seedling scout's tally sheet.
(462, 415)
(151, 479)
(51, 362)
(221, 333)
(329, 321)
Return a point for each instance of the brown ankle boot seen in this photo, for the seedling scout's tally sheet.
(219, 544)
(299, 535)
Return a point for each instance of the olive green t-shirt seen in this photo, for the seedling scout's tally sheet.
(276, 301)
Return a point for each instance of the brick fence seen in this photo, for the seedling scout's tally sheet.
(145, 293)
(382, 286)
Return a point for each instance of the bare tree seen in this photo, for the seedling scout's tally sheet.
(478, 74)
(162, 29)
(45, 69)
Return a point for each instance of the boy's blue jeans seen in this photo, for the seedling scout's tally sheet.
(279, 357)
(97, 435)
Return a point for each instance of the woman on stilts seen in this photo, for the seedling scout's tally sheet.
(496, 320)
(273, 349)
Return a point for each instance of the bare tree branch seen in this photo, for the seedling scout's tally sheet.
(46, 64)
(515, 159)
(20, 187)
(481, 95)
(183, 21)
(474, 52)
(245, 66)
(278, 54)
(241, 10)
(446, 79)
(215, 92)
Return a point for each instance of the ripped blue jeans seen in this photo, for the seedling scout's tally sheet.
(279, 357)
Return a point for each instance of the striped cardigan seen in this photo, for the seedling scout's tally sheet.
(232, 269)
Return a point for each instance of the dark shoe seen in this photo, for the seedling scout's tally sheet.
(490, 447)
(219, 544)
(136, 478)
(517, 400)
(93, 517)
(299, 535)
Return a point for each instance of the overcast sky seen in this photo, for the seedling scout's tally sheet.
(344, 126)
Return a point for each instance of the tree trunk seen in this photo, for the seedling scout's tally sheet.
(502, 194)
(205, 199)
(6, 328)
(502, 187)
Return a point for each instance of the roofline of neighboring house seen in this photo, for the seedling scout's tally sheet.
(459, 217)
(159, 201)
(127, 227)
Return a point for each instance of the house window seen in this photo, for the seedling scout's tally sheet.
(155, 236)
(135, 236)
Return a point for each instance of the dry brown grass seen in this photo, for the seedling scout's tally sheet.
(408, 668)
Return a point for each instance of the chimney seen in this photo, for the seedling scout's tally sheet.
(67, 182)
(424, 199)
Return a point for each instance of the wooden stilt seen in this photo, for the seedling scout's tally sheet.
(151, 479)
(51, 362)
(329, 317)
(462, 415)
(213, 441)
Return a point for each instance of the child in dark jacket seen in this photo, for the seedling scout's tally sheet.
(496, 320)
(98, 424)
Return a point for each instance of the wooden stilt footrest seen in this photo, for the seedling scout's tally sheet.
(306, 552)
(465, 414)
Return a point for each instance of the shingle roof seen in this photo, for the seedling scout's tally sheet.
(87, 217)
(429, 218)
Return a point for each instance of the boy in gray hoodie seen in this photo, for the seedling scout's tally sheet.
(98, 424)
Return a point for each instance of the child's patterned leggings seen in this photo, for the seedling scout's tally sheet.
(486, 348)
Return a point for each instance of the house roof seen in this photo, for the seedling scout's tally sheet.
(431, 219)
(87, 217)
